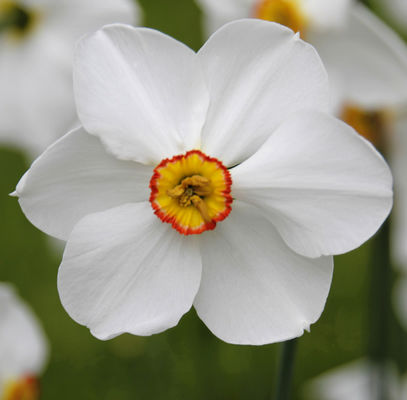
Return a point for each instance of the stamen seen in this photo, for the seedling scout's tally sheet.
(201, 207)
(190, 191)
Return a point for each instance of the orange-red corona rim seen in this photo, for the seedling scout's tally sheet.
(284, 12)
(191, 191)
(26, 388)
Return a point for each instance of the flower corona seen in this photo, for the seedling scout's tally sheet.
(285, 12)
(191, 192)
(26, 388)
(373, 125)
(16, 19)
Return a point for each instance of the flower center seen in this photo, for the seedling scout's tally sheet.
(191, 192)
(373, 125)
(15, 19)
(285, 12)
(26, 388)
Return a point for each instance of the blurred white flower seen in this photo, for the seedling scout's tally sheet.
(23, 348)
(305, 16)
(404, 386)
(36, 99)
(166, 131)
(358, 380)
(366, 61)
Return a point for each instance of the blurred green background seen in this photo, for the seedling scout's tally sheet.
(186, 362)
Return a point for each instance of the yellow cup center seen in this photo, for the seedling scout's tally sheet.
(16, 21)
(374, 125)
(191, 192)
(285, 12)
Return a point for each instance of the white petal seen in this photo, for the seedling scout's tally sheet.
(358, 380)
(75, 177)
(233, 8)
(258, 73)
(217, 13)
(322, 185)
(255, 289)
(37, 102)
(367, 59)
(72, 19)
(140, 91)
(124, 270)
(326, 15)
(23, 346)
(399, 168)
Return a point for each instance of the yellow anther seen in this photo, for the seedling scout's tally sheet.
(192, 185)
(190, 192)
(201, 206)
(176, 192)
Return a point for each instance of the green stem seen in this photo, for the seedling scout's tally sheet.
(286, 370)
(379, 307)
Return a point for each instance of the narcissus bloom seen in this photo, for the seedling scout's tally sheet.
(359, 380)
(367, 67)
(214, 179)
(37, 38)
(366, 61)
(23, 348)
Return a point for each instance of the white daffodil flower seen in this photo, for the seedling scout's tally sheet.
(367, 67)
(23, 348)
(359, 380)
(366, 61)
(37, 38)
(214, 179)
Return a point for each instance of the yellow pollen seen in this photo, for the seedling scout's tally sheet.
(191, 192)
(373, 125)
(285, 12)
